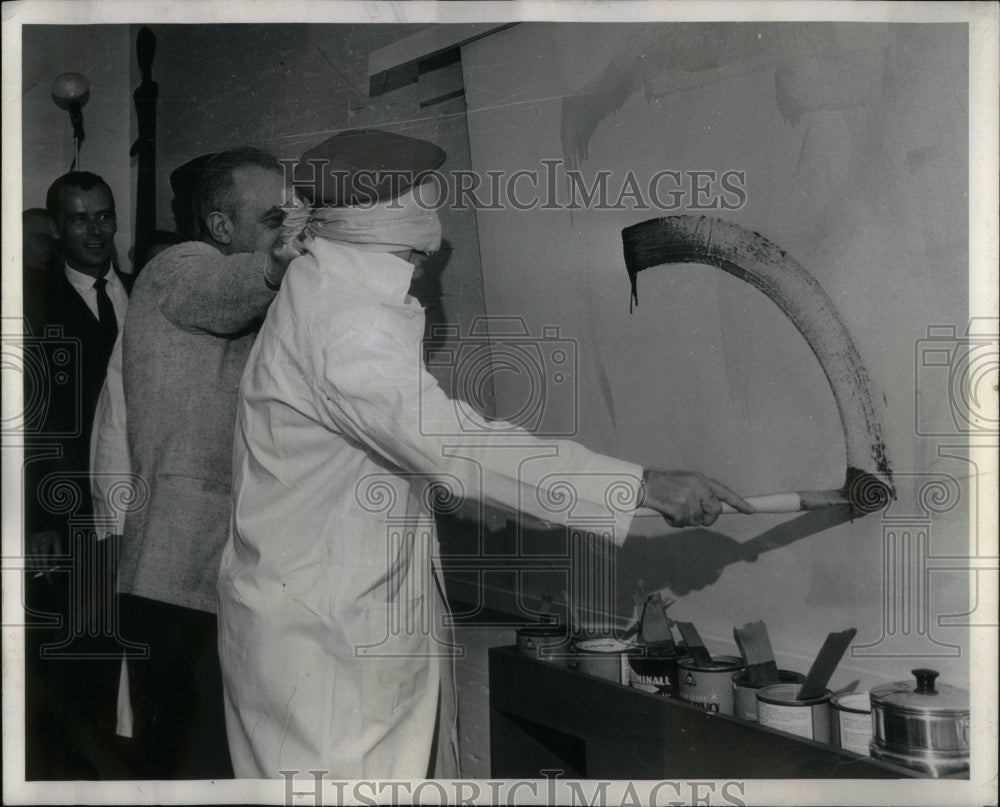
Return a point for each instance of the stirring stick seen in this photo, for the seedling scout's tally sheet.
(755, 647)
(824, 665)
(694, 644)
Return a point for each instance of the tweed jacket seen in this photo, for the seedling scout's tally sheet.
(192, 319)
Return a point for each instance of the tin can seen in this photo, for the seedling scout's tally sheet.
(851, 723)
(745, 693)
(778, 709)
(544, 642)
(603, 658)
(710, 687)
(655, 670)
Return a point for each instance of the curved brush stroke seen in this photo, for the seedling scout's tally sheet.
(751, 257)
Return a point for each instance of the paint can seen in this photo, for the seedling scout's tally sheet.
(544, 642)
(710, 687)
(778, 709)
(654, 669)
(745, 693)
(851, 723)
(603, 658)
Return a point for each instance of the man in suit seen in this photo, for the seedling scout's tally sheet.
(73, 314)
(192, 320)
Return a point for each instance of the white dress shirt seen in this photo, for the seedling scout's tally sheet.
(84, 285)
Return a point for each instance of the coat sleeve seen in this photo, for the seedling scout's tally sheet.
(377, 391)
(204, 290)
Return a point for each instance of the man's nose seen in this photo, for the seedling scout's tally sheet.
(93, 228)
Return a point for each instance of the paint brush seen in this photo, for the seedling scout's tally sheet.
(791, 501)
(755, 648)
(696, 647)
(826, 662)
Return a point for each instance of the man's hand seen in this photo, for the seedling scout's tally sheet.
(688, 498)
(279, 257)
(40, 547)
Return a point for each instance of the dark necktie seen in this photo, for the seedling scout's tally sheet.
(108, 327)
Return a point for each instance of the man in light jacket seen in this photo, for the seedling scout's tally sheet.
(193, 316)
(332, 650)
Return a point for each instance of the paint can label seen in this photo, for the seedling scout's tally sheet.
(855, 732)
(854, 721)
(656, 684)
(793, 719)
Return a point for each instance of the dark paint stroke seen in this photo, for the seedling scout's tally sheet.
(752, 258)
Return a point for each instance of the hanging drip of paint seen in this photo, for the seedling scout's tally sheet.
(749, 256)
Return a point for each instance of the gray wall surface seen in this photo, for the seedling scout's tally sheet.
(853, 143)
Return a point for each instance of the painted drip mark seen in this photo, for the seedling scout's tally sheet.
(768, 268)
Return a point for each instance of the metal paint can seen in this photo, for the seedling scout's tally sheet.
(851, 726)
(544, 642)
(709, 687)
(605, 658)
(778, 709)
(655, 670)
(745, 693)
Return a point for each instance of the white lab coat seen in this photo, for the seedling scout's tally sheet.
(330, 633)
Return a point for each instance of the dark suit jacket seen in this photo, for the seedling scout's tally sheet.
(68, 361)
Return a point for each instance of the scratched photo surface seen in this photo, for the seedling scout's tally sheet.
(742, 247)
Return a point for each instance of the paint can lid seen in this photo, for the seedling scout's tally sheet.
(603, 646)
(719, 664)
(858, 702)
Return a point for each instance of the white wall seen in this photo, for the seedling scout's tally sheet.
(854, 144)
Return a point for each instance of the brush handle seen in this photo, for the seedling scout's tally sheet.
(789, 502)
(794, 501)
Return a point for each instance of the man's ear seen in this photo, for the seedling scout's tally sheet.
(220, 227)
